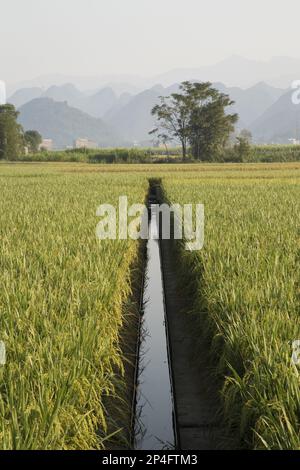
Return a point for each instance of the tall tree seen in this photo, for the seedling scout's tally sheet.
(246, 134)
(196, 116)
(173, 117)
(11, 134)
(210, 124)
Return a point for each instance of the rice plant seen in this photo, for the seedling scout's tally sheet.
(247, 294)
(61, 299)
(63, 292)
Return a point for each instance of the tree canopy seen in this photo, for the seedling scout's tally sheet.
(11, 133)
(33, 140)
(197, 117)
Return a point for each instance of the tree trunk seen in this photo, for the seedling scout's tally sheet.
(167, 150)
(183, 150)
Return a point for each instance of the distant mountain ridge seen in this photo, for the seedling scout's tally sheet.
(128, 116)
(250, 103)
(24, 95)
(240, 71)
(279, 123)
(134, 120)
(96, 104)
(234, 71)
(63, 124)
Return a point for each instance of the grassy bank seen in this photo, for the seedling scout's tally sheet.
(113, 155)
(257, 154)
(266, 154)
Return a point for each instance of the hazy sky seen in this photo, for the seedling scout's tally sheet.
(145, 37)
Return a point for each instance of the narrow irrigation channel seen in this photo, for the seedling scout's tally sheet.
(177, 397)
(154, 427)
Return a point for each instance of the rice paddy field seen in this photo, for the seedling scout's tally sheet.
(63, 297)
(246, 283)
(61, 314)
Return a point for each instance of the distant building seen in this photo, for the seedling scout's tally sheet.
(85, 144)
(294, 141)
(47, 144)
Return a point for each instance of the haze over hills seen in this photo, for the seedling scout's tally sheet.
(120, 83)
(134, 120)
(96, 104)
(241, 72)
(233, 71)
(250, 103)
(100, 103)
(24, 95)
(62, 123)
(128, 113)
(66, 92)
(279, 123)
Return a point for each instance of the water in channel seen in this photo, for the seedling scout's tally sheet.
(154, 423)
